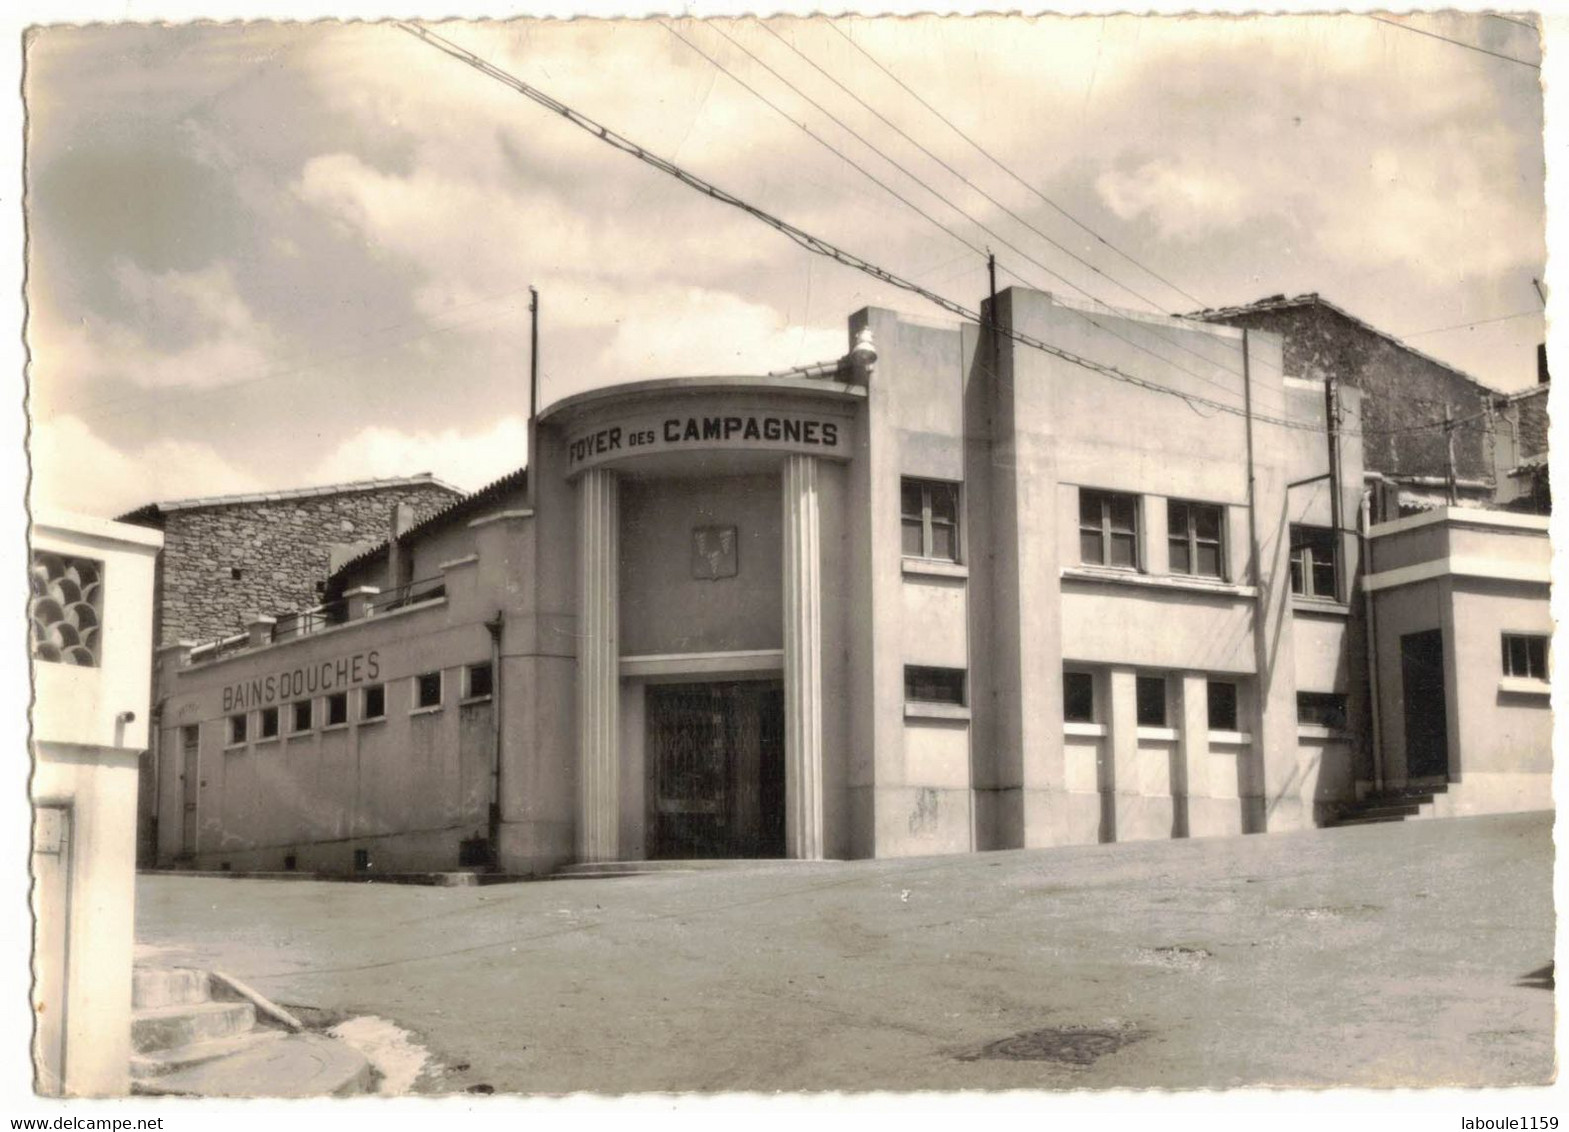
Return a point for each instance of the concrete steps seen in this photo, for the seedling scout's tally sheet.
(1390, 806)
(195, 1034)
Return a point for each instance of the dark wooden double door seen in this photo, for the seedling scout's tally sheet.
(716, 770)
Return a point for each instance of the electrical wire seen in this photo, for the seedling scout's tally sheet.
(819, 246)
(1467, 325)
(971, 184)
(1064, 213)
(861, 169)
(1456, 42)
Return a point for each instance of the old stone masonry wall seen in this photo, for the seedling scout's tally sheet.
(278, 548)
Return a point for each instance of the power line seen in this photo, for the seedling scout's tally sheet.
(1478, 322)
(989, 231)
(882, 118)
(833, 118)
(820, 246)
(984, 153)
(1456, 42)
(807, 130)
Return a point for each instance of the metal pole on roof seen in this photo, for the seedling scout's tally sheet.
(533, 386)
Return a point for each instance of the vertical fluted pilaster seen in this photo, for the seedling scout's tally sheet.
(599, 673)
(803, 660)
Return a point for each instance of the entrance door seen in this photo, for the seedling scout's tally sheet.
(716, 770)
(1426, 710)
(189, 751)
(52, 912)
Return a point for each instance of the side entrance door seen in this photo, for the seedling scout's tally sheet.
(1426, 706)
(189, 782)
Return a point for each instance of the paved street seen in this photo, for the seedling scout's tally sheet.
(1377, 955)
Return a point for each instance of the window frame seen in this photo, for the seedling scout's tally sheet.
(1104, 529)
(273, 714)
(1335, 719)
(1537, 649)
(928, 520)
(914, 673)
(1072, 675)
(365, 691)
(329, 700)
(1141, 684)
(468, 680)
(1191, 541)
(419, 691)
(294, 716)
(240, 721)
(1304, 566)
(1210, 687)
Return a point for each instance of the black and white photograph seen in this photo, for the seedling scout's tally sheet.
(802, 555)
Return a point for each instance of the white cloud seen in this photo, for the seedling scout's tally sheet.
(187, 330)
(1185, 201)
(76, 470)
(695, 331)
(465, 459)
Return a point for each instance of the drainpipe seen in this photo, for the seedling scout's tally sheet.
(155, 752)
(494, 627)
(1372, 646)
(1260, 600)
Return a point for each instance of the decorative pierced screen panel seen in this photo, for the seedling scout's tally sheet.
(66, 609)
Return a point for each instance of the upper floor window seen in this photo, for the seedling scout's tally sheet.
(929, 519)
(373, 702)
(1525, 654)
(300, 716)
(1313, 562)
(1108, 528)
(237, 729)
(1193, 530)
(269, 723)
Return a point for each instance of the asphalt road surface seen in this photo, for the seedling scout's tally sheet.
(1397, 955)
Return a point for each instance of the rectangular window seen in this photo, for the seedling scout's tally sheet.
(373, 702)
(427, 690)
(1194, 532)
(1222, 706)
(1078, 697)
(337, 708)
(1525, 654)
(933, 685)
(1313, 562)
(1322, 709)
(1108, 529)
(237, 728)
(929, 519)
(1151, 695)
(300, 715)
(479, 681)
(269, 723)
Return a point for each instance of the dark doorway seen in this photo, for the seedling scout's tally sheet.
(716, 770)
(1427, 725)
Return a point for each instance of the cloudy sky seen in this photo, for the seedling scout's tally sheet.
(267, 255)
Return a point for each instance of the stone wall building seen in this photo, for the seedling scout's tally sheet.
(226, 557)
(1404, 393)
(1520, 450)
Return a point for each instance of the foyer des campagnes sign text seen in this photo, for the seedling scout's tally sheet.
(776, 432)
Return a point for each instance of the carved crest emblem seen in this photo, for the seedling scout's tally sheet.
(713, 552)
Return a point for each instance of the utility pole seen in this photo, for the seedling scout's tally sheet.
(1336, 519)
(1449, 457)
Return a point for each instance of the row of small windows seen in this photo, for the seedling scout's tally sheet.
(301, 714)
(1323, 709)
(1109, 535)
